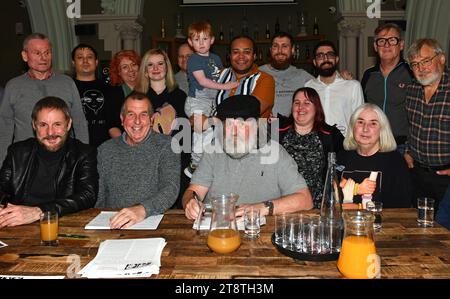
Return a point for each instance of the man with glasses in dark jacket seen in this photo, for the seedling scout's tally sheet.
(385, 83)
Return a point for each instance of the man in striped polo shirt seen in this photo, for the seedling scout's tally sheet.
(428, 109)
(244, 70)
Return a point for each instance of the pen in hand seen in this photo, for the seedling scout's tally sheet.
(199, 216)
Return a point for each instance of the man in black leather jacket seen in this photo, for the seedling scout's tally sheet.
(49, 172)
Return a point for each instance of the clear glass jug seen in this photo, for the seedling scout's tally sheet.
(223, 234)
(358, 257)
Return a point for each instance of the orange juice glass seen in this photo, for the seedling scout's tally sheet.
(224, 240)
(358, 258)
(49, 228)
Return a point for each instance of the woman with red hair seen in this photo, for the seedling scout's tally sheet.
(123, 72)
(308, 139)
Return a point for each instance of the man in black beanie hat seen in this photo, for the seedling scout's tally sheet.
(265, 177)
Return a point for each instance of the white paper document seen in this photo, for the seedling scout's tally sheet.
(126, 258)
(101, 221)
(205, 222)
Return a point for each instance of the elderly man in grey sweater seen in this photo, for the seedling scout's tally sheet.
(24, 91)
(139, 172)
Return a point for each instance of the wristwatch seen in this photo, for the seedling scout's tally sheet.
(269, 205)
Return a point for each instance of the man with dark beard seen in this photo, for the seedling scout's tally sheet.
(265, 177)
(339, 97)
(49, 172)
(287, 77)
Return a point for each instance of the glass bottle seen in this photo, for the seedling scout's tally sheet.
(358, 257)
(256, 33)
(231, 33)
(316, 27)
(244, 24)
(289, 25)
(163, 29)
(223, 234)
(267, 31)
(277, 26)
(297, 54)
(307, 53)
(331, 202)
(221, 36)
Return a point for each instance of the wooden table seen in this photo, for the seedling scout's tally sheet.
(406, 250)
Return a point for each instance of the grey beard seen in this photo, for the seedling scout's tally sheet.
(429, 81)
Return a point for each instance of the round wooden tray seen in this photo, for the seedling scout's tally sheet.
(305, 256)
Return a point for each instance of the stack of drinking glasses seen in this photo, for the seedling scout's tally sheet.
(308, 235)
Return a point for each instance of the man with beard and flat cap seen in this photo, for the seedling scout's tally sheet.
(339, 97)
(267, 181)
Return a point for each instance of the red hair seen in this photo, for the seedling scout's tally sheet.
(115, 64)
(199, 27)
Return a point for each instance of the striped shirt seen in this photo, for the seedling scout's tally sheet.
(429, 131)
(256, 83)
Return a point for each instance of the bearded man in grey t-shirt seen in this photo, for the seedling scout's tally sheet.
(266, 178)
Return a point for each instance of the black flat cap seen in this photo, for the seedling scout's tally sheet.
(239, 106)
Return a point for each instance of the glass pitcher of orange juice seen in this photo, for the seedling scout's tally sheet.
(358, 257)
(223, 234)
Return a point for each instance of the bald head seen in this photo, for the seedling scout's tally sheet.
(184, 51)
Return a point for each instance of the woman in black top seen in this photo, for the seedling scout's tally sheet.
(157, 80)
(308, 139)
(370, 147)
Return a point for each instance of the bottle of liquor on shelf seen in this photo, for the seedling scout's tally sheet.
(267, 31)
(307, 53)
(256, 32)
(231, 33)
(289, 25)
(260, 57)
(316, 27)
(297, 52)
(277, 26)
(245, 24)
(163, 29)
(221, 37)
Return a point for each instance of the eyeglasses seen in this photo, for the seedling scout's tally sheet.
(391, 41)
(426, 63)
(330, 55)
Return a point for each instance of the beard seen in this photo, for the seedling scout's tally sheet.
(54, 147)
(281, 65)
(238, 147)
(326, 72)
(430, 80)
